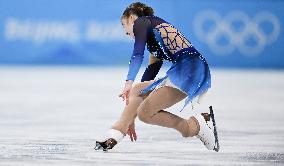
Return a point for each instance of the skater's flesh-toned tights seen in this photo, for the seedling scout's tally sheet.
(149, 109)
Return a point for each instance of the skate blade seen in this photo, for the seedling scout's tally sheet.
(99, 146)
(217, 146)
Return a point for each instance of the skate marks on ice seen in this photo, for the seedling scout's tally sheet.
(263, 156)
(144, 152)
(28, 152)
(52, 116)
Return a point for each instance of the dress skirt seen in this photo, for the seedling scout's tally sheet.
(189, 73)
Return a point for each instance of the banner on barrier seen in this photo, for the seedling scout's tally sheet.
(228, 33)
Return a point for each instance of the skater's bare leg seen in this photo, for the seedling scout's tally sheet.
(130, 111)
(162, 98)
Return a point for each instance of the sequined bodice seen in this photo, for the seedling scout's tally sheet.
(164, 40)
(161, 38)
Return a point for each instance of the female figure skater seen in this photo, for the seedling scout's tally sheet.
(189, 76)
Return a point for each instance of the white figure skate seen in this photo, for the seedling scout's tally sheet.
(206, 135)
(115, 137)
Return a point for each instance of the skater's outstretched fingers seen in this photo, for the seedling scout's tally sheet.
(126, 91)
(131, 132)
(125, 96)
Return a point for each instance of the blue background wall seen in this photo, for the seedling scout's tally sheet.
(229, 33)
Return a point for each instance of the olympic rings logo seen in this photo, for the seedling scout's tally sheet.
(236, 37)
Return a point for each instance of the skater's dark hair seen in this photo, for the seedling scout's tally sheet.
(139, 9)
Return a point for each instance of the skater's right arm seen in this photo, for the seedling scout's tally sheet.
(141, 29)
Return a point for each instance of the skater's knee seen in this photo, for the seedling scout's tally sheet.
(135, 91)
(143, 114)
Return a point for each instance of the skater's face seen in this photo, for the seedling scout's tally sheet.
(127, 24)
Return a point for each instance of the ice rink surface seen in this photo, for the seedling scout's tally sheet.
(52, 116)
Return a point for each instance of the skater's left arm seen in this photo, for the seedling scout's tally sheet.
(153, 68)
(131, 132)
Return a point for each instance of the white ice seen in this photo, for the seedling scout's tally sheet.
(52, 116)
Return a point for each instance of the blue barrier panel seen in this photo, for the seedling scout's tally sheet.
(245, 34)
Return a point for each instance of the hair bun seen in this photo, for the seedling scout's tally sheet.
(139, 9)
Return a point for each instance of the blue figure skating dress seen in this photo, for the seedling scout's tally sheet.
(189, 71)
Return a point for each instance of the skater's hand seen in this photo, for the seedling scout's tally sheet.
(126, 91)
(131, 132)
